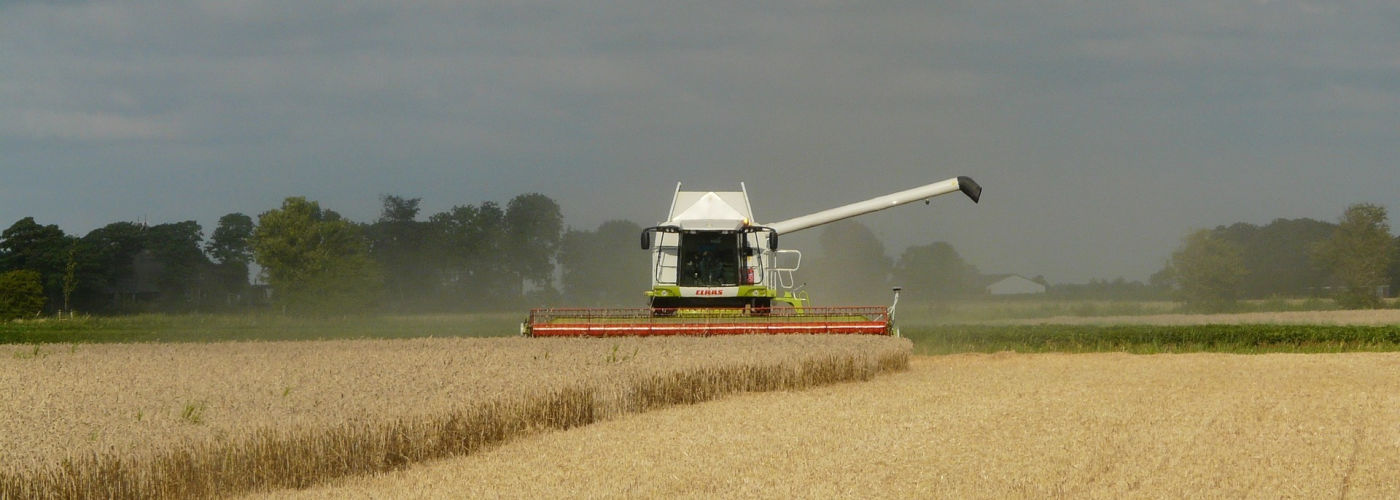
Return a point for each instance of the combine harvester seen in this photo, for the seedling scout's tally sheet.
(715, 271)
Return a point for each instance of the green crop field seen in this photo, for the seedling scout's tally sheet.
(1152, 339)
(228, 327)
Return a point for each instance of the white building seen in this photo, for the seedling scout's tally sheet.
(1014, 285)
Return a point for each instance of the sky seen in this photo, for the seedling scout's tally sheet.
(1103, 131)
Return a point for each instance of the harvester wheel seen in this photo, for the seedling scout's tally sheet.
(663, 307)
(760, 306)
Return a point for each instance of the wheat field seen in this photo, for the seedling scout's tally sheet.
(189, 420)
(980, 426)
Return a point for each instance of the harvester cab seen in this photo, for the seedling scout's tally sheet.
(714, 270)
(710, 254)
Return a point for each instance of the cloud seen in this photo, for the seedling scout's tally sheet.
(604, 105)
(86, 126)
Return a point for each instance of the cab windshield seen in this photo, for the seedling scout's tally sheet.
(709, 258)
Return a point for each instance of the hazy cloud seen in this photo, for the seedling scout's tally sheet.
(1102, 130)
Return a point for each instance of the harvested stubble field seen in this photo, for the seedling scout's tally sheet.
(977, 425)
(189, 420)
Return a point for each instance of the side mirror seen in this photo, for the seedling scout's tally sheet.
(646, 238)
(773, 240)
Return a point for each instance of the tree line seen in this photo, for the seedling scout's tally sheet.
(311, 259)
(1355, 260)
(492, 257)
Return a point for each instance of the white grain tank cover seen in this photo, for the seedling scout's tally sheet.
(723, 211)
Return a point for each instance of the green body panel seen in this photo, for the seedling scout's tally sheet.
(664, 291)
(796, 302)
(744, 291)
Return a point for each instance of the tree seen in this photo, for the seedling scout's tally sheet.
(1207, 271)
(21, 294)
(399, 209)
(314, 260)
(469, 250)
(1359, 254)
(28, 245)
(44, 249)
(1277, 256)
(534, 226)
(132, 266)
(1395, 266)
(70, 279)
(113, 248)
(598, 269)
(852, 267)
(397, 243)
(230, 242)
(105, 270)
(1164, 279)
(231, 249)
(180, 263)
(935, 270)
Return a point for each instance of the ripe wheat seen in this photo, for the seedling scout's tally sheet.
(977, 426)
(191, 420)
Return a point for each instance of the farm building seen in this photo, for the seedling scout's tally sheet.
(1014, 284)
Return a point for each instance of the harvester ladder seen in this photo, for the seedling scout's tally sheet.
(667, 253)
(661, 268)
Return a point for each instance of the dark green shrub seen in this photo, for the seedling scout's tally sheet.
(21, 295)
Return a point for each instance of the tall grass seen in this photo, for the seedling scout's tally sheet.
(272, 457)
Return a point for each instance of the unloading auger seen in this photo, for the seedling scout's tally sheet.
(716, 271)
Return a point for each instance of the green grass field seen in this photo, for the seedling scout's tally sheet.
(928, 338)
(229, 327)
(978, 310)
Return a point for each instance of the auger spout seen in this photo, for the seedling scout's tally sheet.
(961, 183)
